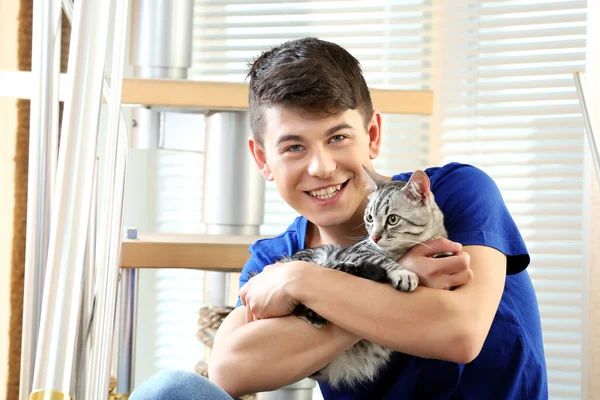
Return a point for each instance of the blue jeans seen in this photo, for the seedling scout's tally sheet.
(178, 385)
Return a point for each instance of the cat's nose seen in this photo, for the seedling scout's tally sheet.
(375, 238)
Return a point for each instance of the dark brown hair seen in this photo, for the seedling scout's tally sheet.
(309, 74)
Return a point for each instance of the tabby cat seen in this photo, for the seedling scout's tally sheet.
(398, 216)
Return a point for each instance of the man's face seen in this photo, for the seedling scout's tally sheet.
(316, 162)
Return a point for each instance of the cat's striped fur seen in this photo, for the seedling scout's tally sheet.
(419, 220)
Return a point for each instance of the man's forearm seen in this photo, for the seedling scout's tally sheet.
(427, 323)
(268, 354)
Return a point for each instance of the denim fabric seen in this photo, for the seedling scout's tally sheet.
(178, 385)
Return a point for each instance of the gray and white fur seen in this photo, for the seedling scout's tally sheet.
(398, 216)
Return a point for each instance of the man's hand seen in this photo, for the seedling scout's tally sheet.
(439, 273)
(268, 294)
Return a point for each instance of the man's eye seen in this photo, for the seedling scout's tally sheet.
(294, 149)
(337, 138)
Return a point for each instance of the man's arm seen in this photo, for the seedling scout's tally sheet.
(446, 325)
(268, 354)
(429, 323)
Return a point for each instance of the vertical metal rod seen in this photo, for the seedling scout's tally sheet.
(110, 224)
(589, 126)
(105, 310)
(43, 142)
(68, 9)
(129, 280)
(71, 203)
(52, 146)
(128, 305)
(84, 338)
(126, 352)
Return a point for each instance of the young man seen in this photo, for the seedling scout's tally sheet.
(313, 128)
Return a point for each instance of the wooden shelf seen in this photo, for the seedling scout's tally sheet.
(234, 96)
(209, 95)
(205, 252)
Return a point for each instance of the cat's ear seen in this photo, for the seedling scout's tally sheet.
(418, 187)
(373, 180)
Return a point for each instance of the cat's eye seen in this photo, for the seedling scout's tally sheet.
(393, 219)
(369, 218)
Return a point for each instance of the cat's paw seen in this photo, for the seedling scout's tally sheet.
(403, 280)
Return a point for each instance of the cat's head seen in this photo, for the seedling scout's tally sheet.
(401, 214)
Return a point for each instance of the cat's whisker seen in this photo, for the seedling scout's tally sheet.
(415, 242)
(358, 226)
(355, 237)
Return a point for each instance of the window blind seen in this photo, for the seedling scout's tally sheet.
(509, 106)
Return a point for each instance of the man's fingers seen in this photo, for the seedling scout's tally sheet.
(249, 316)
(449, 265)
(436, 246)
(460, 278)
(242, 293)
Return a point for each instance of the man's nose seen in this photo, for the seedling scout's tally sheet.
(322, 164)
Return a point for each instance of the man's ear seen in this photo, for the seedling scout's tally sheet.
(374, 131)
(259, 158)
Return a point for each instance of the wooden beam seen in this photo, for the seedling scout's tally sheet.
(210, 95)
(205, 252)
(234, 96)
(185, 93)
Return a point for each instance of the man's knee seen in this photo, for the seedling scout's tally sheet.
(176, 385)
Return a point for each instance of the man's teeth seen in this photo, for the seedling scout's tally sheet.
(325, 193)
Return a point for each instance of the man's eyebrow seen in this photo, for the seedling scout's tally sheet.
(289, 138)
(336, 128)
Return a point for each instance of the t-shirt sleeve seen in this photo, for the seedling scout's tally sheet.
(256, 263)
(475, 213)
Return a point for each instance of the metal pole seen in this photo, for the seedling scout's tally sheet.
(71, 203)
(109, 227)
(589, 126)
(230, 175)
(43, 145)
(84, 337)
(126, 342)
(161, 39)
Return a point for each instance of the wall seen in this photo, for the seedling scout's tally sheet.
(9, 10)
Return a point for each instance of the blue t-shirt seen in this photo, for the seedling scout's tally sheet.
(511, 364)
